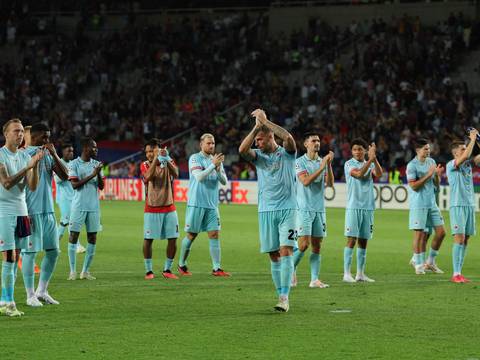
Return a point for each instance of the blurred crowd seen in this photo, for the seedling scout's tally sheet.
(387, 81)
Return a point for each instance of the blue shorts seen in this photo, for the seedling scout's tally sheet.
(44, 233)
(359, 223)
(311, 223)
(462, 220)
(277, 228)
(8, 238)
(160, 225)
(91, 219)
(65, 207)
(199, 219)
(421, 219)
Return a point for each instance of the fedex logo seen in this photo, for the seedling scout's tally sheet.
(235, 194)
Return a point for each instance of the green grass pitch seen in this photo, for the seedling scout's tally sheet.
(122, 316)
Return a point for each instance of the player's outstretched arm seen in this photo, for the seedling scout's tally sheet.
(469, 149)
(288, 140)
(245, 148)
(58, 167)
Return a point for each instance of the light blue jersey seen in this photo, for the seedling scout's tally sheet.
(203, 194)
(423, 198)
(40, 201)
(360, 193)
(65, 190)
(311, 197)
(461, 184)
(13, 201)
(86, 197)
(276, 180)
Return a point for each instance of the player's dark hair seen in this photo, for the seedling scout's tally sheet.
(66, 145)
(421, 142)
(39, 128)
(455, 144)
(309, 134)
(153, 142)
(86, 141)
(359, 142)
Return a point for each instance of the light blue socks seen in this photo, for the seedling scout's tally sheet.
(432, 255)
(347, 259)
(48, 267)
(72, 257)
(315, 260)
(8, 281)
(28, 271)
(361, 260)
(287, 270)
(276, 275)
(168, 264)
(457, 258)
(215, 253)
(297, 257)
(89, 257)
(148, 265)
(184, 251)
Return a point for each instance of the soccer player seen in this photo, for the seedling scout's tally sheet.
(206, 172)
(359, 175)
(42, 216)
(423, 177)
(25, 143)
(160, 220)
(64, 196)
(277, 204)
(85, 174)
(17, 171)
(462, 201)
(313, 174)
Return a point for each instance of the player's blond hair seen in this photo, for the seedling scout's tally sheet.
(206, 136)
(11, 121)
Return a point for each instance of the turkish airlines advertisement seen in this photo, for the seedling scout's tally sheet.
(387, 196)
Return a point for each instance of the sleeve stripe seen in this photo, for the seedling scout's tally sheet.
(302, 172)
(196, 168)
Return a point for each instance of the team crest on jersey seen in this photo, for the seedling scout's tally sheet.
(30, 244)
